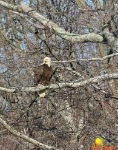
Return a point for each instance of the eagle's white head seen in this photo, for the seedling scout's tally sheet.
(47, 60)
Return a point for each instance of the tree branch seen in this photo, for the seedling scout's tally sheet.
(110, 38)
(23, 136)
(91, 59)
(62, 85)
(74, 38)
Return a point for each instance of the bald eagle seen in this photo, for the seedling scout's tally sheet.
(43, 73)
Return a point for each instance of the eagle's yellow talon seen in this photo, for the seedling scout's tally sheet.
(42, 95)
(39, 85)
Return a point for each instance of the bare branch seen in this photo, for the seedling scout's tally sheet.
(111, 39)
(74, 38)
(92, 59)
(23, 136)
(62, 85)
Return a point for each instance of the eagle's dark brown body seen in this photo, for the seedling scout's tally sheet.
(42, 74)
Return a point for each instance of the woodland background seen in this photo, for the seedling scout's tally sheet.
(81, 38)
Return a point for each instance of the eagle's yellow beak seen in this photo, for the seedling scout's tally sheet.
(46, 60)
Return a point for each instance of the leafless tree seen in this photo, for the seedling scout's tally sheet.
(81, 102)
